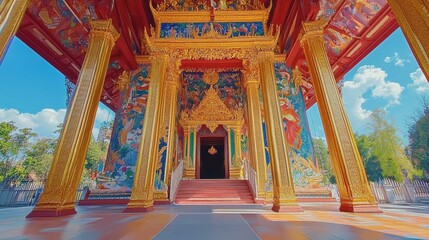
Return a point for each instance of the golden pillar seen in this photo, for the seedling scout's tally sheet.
(284, 198)
(350, 174)
(256, 135)
(141, 199)
(169, 122)
(59, 195)
(11, 14)
(188, 169)
(238, 159)
(413, 17)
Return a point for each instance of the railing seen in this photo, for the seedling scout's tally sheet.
(251, 177)
(176, 177)
(26, 193)
(390, 191)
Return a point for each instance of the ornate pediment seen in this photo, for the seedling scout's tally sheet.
(212, 112)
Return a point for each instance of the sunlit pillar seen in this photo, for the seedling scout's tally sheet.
(350, 173)
(11, 14)
(238, 160)
(141, 199)
(284, 198)
(59, 195)
(169, 122)
(256, 135)
(413, 17)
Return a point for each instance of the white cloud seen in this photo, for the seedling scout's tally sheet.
(396, 59)
(368, 79)
(43, 123)
(420, 83)
(102, 115)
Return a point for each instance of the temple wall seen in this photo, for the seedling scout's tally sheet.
(297, 131)
(123, 150)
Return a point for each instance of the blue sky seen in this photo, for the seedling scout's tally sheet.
(388, 78)
(32, 93)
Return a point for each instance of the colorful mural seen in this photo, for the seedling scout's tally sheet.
(190, 30)
(298, 138)
(123, 150)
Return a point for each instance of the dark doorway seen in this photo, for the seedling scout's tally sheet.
(212, 158)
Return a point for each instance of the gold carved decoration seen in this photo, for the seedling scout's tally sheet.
(212, 111)
(212, 150)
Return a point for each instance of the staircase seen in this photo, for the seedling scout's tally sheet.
(214, 191)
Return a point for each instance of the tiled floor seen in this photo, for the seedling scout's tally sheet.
(318, 221)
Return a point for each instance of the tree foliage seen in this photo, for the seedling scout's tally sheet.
(322, 155)
(387, 149)
(23, 154)
(418, 134)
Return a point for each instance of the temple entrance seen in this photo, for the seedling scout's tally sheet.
(212, 154)
(212, 158)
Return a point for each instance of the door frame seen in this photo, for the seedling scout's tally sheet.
(204, 131)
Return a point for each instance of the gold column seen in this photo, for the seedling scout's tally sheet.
(169, 109)
(143, 187)
(11, 14)
(58, 197)
(256, 135)
(350, 173)
(188, 170)
(238, 160)
(413, 17)
(284, 198)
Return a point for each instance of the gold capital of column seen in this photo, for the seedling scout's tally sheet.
(104, 28)
(59, 195)
(11, 14)
(350, 173)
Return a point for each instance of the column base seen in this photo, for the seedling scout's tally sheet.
(360, 208)
(138, 209)
(287, 208)
(50, 212)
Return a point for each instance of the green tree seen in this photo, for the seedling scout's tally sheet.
(387, 147)
(322, 155)
(38, 158)
(418, 135)
(371, 162)
(93, 156)
(7, 146)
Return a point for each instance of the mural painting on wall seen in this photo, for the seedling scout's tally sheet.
(123, 150)
(297, 132)
(269, 183)
(228, 86)
(180, 147)
(195, 30)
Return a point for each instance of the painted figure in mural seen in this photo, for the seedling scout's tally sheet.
(291, 122)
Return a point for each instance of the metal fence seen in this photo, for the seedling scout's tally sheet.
(26, 193)
(390, 191)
